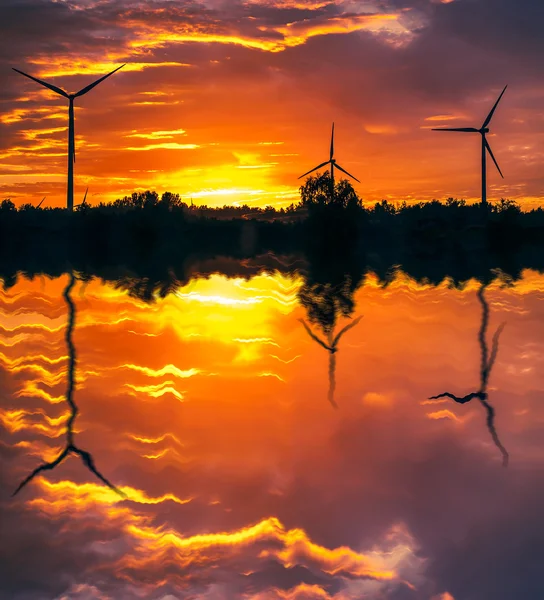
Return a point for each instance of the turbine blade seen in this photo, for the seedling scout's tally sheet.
(52, 87)
(41, 202)
(85, 197)
(488, 148)
(490, 115)
(344, 171)
(462, 129)
(94, 84)
(315, 168)
(332, 143)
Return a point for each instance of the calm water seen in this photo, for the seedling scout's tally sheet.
(211, 410)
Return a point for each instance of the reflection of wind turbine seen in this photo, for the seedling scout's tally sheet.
(71, 134)
(485, 145)
(70, 447)
(332, 162)
(487, 362)
(332, 349)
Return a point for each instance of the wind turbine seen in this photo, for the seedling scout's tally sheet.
(84, 203)
(332, 162)
(484, 129)
(71, 135)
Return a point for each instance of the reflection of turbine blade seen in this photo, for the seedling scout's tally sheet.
(346, 328)
(495, 345)
(70, 446)
(332, 378)
(457, 399)
(314, 337)
(89, 462)
(45, 467)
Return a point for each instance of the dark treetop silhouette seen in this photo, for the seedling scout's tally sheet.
(484, 129)
(71, 133)
(70, 447)
(487, 362)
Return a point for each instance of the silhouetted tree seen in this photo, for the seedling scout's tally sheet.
(316, 191)
(7, 205)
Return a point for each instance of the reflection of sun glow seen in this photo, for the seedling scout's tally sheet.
(67, 493)
(156, 391)
(166, 370)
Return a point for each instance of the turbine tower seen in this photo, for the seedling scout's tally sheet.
(484, 129)
(71, 135)
(332, 162)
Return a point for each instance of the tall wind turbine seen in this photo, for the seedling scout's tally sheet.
(484, 129)
(332, 162)
(71, 135)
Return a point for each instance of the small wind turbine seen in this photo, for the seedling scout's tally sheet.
(332, 162)
(484, 129)
(84, 203)
(71, 135)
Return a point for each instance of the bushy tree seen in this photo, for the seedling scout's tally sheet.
(7, 205)
(317, 191)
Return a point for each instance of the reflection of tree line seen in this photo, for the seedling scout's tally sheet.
(325, 302)
(151, 235)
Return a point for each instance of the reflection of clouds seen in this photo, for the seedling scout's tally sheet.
(253, 489)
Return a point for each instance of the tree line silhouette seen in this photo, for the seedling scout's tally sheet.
(160, 238)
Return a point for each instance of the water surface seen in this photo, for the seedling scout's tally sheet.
(211, 410)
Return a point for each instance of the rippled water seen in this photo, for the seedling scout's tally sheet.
(211, 410)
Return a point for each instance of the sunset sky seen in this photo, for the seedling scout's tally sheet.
(208, 409)
(229, 101)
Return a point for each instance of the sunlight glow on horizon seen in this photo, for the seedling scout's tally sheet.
(237, 87)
